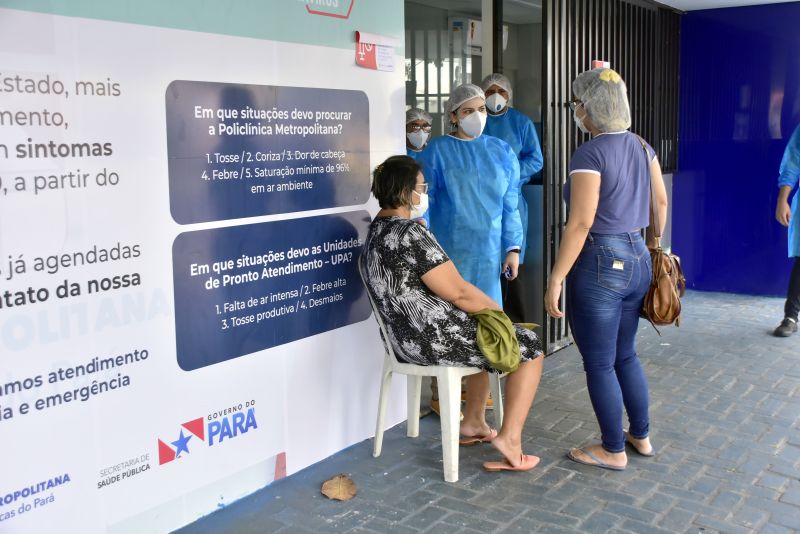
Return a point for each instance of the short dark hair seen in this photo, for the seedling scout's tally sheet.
(393, 180)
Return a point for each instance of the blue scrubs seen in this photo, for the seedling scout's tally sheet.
(789, 173)
(473, 190)
(517, 130)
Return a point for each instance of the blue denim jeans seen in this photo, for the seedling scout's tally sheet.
(605, 289)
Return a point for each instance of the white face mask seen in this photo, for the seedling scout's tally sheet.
(496, 102)
(418, 210)
(418, 139)
(473, 124)
(579, 122)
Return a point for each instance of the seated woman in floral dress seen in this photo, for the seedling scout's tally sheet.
(424, 303)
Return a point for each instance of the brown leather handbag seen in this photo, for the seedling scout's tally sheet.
(662, 302)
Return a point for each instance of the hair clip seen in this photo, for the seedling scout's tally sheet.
(610, 75)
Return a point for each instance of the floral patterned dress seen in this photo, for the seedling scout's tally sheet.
(424, 329)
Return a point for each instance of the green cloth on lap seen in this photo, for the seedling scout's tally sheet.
(497, 339)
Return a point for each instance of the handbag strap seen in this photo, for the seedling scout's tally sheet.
(654, 222)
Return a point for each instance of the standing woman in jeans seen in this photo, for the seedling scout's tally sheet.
(606, 263)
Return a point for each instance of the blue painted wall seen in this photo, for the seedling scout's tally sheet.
(739, 103)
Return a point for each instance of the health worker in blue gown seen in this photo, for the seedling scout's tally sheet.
(789, 216)
(516, 129)
(418, 131)
(473, 190)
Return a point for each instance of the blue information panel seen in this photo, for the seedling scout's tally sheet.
(247, 150)
(242, 289)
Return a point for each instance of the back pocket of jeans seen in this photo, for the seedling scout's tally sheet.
(614, 273)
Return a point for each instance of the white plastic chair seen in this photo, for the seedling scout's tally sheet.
(449, 382)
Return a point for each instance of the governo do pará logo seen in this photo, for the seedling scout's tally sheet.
(210, 431)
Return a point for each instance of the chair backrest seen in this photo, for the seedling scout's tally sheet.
(362, 271)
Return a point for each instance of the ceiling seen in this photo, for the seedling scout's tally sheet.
(530, 11)
(514, 11)
(691, 5)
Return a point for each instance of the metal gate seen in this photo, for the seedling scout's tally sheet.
(641, 41)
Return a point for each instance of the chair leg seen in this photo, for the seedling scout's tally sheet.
(497, 399)
(413, 394)
(383, 401)
(450, 404)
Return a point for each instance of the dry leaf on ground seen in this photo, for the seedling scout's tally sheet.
(340, 487)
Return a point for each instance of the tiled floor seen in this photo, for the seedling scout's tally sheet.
(725, 406)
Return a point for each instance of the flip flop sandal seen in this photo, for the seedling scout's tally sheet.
(469, 441)
(527, 463)
(598, 462)
(635, 448)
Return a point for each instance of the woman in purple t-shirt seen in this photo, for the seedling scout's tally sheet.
(606, 264)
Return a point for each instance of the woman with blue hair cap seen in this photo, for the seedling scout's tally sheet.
(473, 190)
(606, 263)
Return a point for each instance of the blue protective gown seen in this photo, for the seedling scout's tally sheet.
(789, 173)
(473, 187)
(413, 153)
(517, 130)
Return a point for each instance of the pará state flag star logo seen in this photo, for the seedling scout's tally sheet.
(181, 445)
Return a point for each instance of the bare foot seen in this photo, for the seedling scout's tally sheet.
(475, 429)
(642, 445)
(512, 452)
(614, 459)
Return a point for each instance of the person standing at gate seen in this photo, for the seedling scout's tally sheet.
(606, 263)
(790, 217)
(418, 131)
(513, 127)
(473, 192)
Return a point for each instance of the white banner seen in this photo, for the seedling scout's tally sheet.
(105, 426)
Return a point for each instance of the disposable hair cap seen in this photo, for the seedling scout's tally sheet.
(497, 79)
(414, 114)
(462, 93)
(605, 99)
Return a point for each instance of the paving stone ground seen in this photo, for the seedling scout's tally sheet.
(725, 409)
